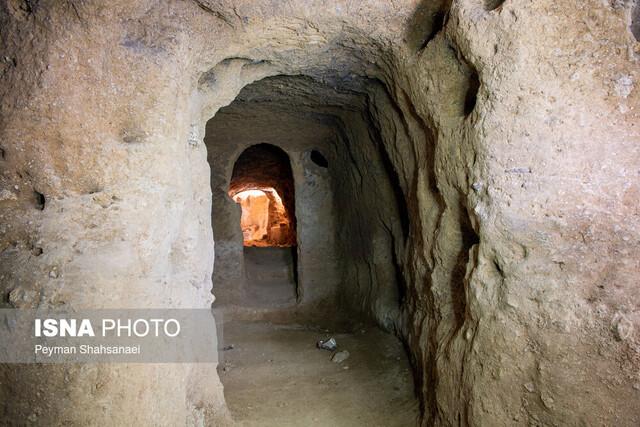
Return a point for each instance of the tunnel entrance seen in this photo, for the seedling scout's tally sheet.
(306, 223)
(262, 184)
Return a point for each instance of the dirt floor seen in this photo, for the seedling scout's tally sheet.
(275, 376)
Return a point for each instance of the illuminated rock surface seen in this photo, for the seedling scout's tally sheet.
(478, 195)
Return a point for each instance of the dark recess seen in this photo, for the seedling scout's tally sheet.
(428, 19)
(469, 238)
(403, 216)
(472, 93)
(40, 200)
(635, 20)
(29, 6)
(296, 279)
(400, 201)
(319, 159)
(400, 281)
(490, 5)
(437, 24)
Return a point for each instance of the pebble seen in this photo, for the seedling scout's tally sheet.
(340, 356)
(547, 401)
(622, 327)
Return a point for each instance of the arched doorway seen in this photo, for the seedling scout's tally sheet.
(262, 184)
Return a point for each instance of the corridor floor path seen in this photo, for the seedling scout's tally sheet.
(275, 376)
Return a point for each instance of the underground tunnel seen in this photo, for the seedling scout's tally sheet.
(262, 184)
(292, 229)
(418, 212)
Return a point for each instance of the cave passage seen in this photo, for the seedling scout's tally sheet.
(448, 189)
(298, 199)
(262, 184)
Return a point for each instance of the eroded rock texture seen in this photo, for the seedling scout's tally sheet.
(482, 179)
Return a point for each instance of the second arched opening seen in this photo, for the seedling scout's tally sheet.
(262, 184)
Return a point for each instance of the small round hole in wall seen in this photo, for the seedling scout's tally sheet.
(319, 159)
(39, 200)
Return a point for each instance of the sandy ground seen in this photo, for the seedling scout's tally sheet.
(275, 376)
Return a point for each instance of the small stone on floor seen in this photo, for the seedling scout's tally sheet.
(340, 356)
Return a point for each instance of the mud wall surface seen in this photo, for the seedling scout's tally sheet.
(502, 136)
